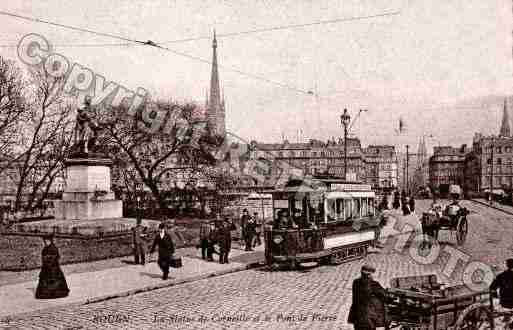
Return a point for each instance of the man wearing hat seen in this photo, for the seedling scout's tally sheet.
(204, 240)
(138, 236)
(366, 293)
(225, 240)
(166, 250)
(243, 225)
(504, 282)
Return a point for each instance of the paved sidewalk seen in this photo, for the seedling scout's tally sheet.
(94, 286)
(495, 205)
(117, 281)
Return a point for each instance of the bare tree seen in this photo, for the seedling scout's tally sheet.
(12, 111)
(180, 144)
(44, 140)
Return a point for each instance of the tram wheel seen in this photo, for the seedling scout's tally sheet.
(294, 265)
(337, 258)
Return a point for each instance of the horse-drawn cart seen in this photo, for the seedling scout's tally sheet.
(433, 221)
(420, 302)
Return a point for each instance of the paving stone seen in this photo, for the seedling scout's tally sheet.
(287, 298)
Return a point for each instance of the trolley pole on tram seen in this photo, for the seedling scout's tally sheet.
(345, 119)
(407, 164)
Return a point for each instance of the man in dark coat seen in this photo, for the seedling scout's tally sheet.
(225, 240)
(213, 238)
(258, 230)
(206, 252)
(52, 283)
(166, 250)
(405, 205)
(243, 225)
(412, 204)
(139, 242)
(368, 298)
(250, 234)
(397, 203)
(504, 282)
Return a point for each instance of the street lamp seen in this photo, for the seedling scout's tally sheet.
(345, 120)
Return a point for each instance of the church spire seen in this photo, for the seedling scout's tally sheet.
(215, 115)
(505, 126)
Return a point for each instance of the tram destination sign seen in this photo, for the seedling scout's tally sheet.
(351, 187)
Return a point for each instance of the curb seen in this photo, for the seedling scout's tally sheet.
(4, 320)
(170, 284)
(490, 206)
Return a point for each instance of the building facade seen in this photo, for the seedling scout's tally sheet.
(381, 168)
(490, 164)
(375, 165)
(315, 157)
(447, 167)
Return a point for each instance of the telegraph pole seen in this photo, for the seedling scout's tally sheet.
(491, 174)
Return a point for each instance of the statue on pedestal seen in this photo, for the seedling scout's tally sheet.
(86, 129)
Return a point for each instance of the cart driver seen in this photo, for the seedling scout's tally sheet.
(453, 209)
(504, 282)
(436, 207)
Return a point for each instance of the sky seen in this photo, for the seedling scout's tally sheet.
(442, 66)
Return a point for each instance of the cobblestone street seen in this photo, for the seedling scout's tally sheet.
(319, 293)
(317, 298)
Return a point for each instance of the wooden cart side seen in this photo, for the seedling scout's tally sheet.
(407, 307)
(448, 310)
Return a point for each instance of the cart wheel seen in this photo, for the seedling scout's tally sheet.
(337, 258)
(475, 317)
(461, 231)
(294, 265)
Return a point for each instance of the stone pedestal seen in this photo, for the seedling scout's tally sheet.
(87, 195)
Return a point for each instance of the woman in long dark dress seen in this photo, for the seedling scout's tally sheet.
(52, 283)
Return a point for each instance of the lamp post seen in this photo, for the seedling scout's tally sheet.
(138, 194)
(345, 119)
(491, 173)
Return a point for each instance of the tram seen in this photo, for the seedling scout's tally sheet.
(321, 221)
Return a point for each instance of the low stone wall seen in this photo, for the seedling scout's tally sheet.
(19, 253)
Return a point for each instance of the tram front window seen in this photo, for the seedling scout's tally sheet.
(372, 209)
(336, 209)
(331, 209)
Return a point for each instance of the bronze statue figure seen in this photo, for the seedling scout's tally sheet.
(86, 130)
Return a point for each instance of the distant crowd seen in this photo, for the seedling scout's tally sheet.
(400, 201)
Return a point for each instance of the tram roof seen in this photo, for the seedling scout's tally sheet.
(321, 185)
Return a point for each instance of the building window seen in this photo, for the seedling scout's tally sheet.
(280, 154)
(489, 161)
(499, 150)
(314, 154)
(303, 153)
(508, 149)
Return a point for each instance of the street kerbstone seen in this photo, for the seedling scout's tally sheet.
(281, 295)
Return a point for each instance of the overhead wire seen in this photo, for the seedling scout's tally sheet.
(153, 44)
(220, 35)
(196, 58)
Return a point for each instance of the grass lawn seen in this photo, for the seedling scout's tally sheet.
(24, 252)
